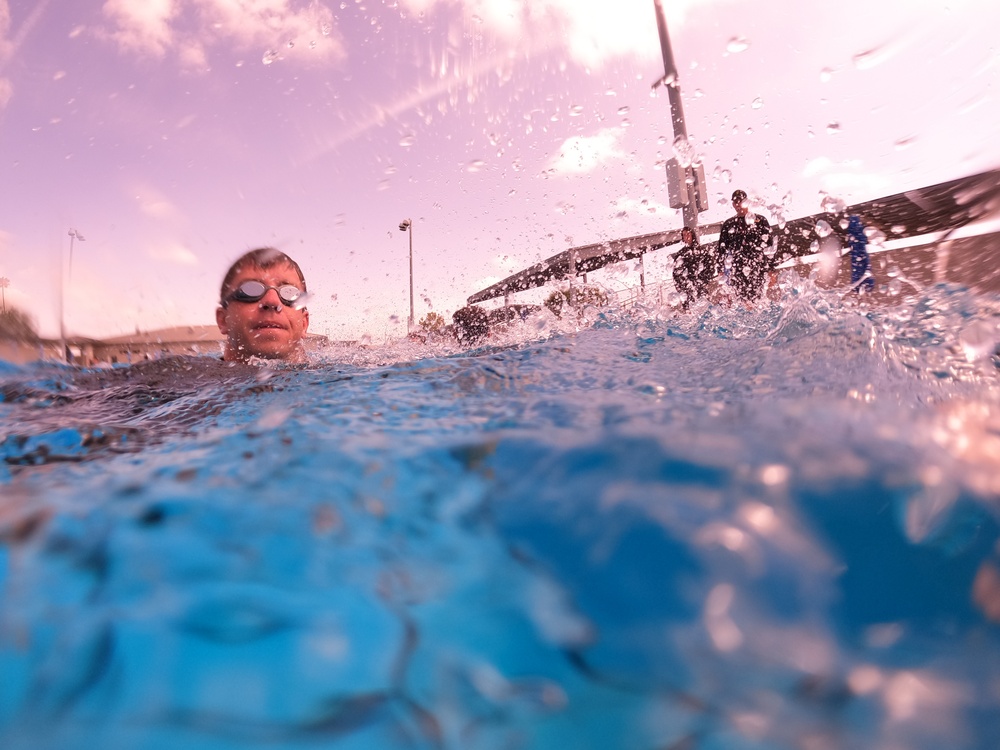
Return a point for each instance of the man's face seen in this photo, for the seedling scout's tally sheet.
(266, 328)
(742, 206)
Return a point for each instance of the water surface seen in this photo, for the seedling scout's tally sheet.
(640, 529)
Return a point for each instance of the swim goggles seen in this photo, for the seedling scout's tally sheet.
(254, 291)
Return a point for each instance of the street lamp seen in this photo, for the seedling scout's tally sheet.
(73, 235)
(407, 226)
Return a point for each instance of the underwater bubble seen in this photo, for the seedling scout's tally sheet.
(737, 44)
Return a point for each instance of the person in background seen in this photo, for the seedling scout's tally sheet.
(694, 268)
(742, 241)
(861, 276)
(261, 308)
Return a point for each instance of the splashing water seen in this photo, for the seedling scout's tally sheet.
(631, 529)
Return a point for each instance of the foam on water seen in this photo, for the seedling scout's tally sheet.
(767, 529)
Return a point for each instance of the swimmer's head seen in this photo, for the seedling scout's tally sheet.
(269, 326)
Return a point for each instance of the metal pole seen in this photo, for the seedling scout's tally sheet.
(73, 235)
(410, 324)
(672, 81)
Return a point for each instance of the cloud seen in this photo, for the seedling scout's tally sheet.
(591, 31)
(173, 252)
(142, 26)
(278, 29)
(9, 45)
(583, 154)
(154, 204)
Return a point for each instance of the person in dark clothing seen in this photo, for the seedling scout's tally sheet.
(861, 277)
(741, 256)
(694, 268)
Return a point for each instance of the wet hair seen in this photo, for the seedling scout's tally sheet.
(262, 257)
(739, 195)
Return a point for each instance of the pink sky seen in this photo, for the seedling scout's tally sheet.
(175, 134)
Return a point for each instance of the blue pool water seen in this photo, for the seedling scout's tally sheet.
(640, 529)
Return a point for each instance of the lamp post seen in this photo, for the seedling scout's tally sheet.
(73, 235)
(407, 226)
(4, 283)
(685, 182)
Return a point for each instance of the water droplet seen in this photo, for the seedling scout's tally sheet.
(979, 339)
(576, 110)
(833, 128)
(905, 142)
(875, 236)
(823, 228)
(291, 44)
(832, 205)
(623, 110)
(868, 59)
(737, 44)
(825, 75)
(475, 165)
(325, 28)
(757, 103)
(407, 140)
(611, 92)
(683, 151)
(269, 57)
(895, 286)
(698, 93)
(477, 19)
